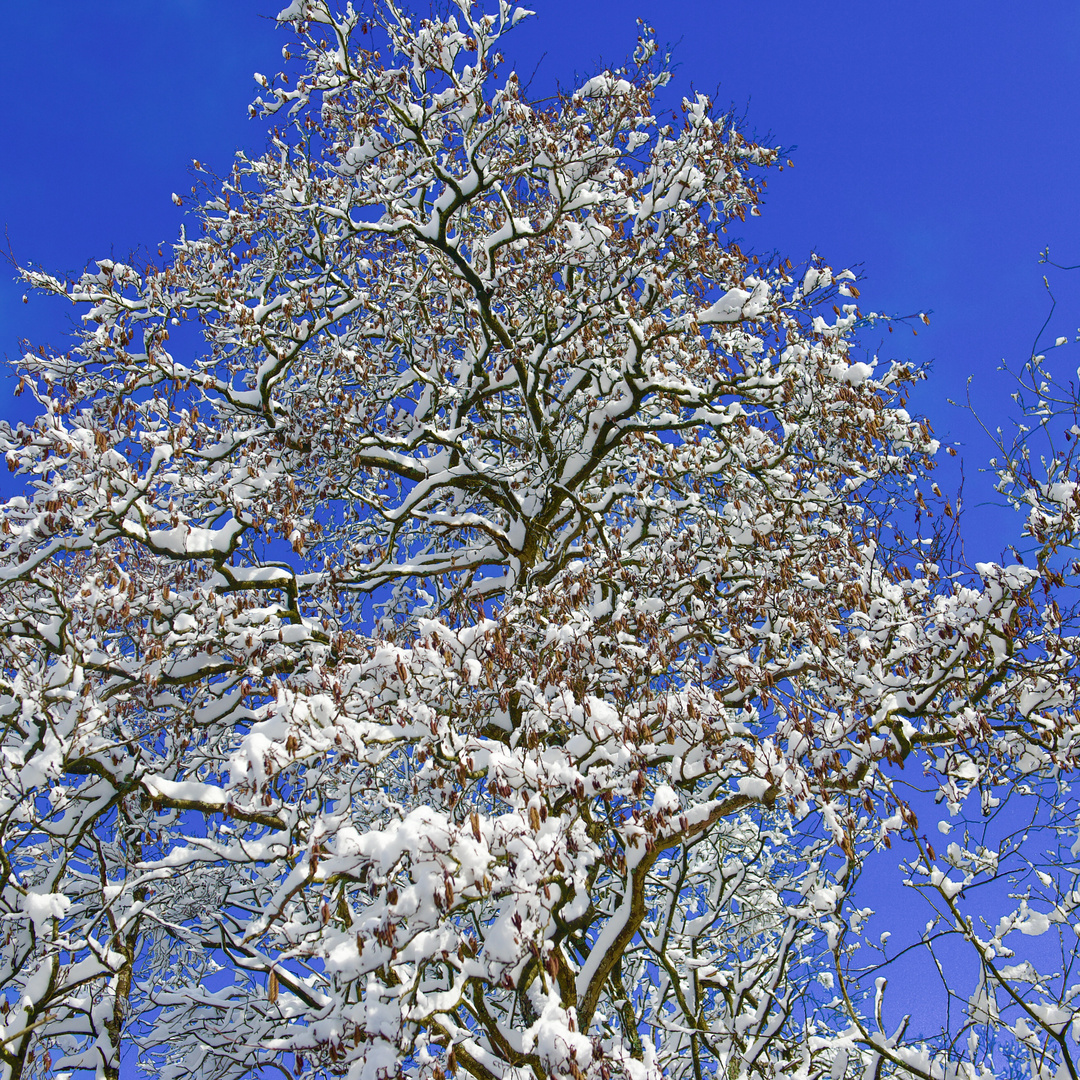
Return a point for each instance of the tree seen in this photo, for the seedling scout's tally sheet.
(458, 618)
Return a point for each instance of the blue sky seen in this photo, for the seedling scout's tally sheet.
(936, 145)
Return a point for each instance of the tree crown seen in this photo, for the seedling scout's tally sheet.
(457, 620)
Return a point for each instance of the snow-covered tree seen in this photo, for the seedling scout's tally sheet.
(456, 617)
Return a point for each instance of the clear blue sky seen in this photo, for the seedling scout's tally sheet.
(936, 144)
